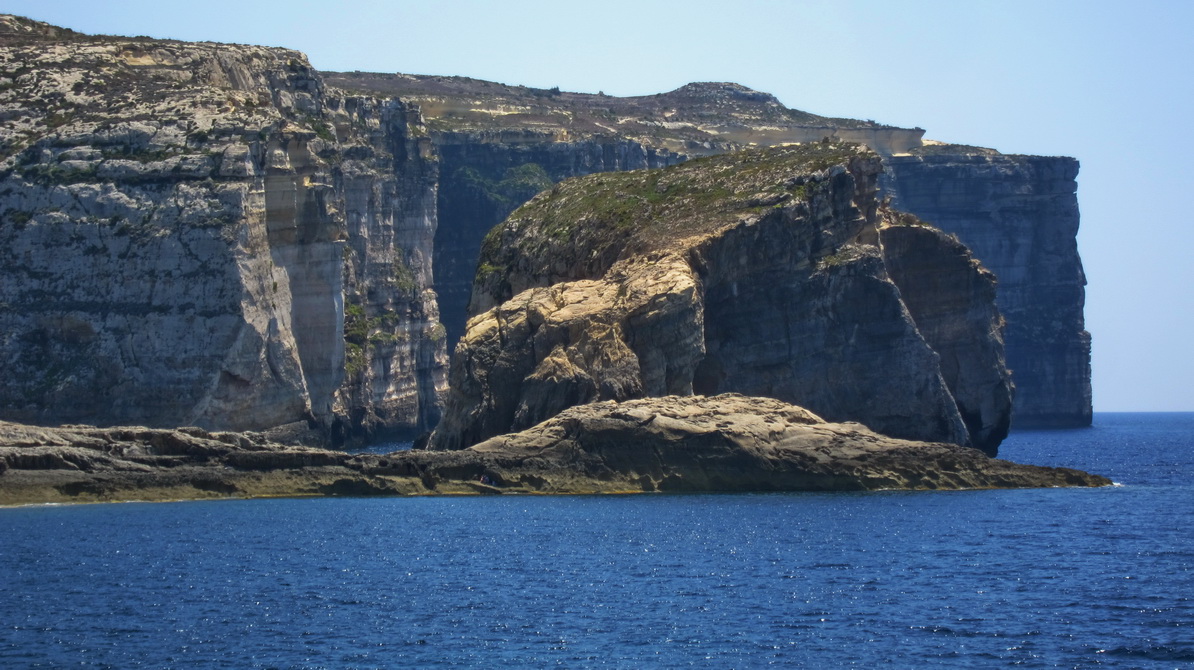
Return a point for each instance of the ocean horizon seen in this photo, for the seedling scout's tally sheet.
(1035, 577)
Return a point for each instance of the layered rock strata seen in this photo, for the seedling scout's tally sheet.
(1019, 214)
(208, 234)
(203, 234)
(951, 297)
(500, 145)
(760, 272)
(727, 443)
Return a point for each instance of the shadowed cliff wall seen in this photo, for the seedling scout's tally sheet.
(1019, 215)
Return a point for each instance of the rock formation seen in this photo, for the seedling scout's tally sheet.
(218, 235)
(727, 443)
(760, 272)
(482, 182)
(492, 138)
(203, 234)
(951, 297)
(1018, 214)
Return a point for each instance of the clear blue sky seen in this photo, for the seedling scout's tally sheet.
(1109, 83)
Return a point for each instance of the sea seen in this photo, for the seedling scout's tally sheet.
(1040, 578)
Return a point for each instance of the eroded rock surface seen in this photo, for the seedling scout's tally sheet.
(725, 443)
(501, 144)
(204, 234)
(739, 443)
(208, 234)
(951, 297)
(759, 273)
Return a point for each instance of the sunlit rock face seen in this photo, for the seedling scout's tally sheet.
(204, 234)
(760, 272)
(1019, 215)
(484, 178)
(502, 144)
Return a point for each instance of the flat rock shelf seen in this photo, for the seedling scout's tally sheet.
(695, 443)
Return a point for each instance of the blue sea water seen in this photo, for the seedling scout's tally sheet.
(1034, 578)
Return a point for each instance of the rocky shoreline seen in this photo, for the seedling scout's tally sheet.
(694, 444)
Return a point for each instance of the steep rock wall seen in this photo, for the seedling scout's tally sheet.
(951, 297)
(486, 176)
(136, 174)
(1014, 212)
(396, 357)
(182, 227)
(1019, 215)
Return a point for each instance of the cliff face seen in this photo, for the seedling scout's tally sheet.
(486, 176)
(1019, 214)
(951, 297)
(209, 234)
(201, 234)
(758, 273)
(500, 145)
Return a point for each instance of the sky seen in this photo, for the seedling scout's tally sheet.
(1110, 83)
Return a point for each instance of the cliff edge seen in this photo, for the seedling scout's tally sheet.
(1018, 214)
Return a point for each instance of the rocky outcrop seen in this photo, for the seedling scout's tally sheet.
(1019, 215)
(727, 443)
(486, 176)
(737, 443)
(500, 145)
(758, 273)
(696, 119)
(203, 234)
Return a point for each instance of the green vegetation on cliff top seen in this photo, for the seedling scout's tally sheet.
(650, 209)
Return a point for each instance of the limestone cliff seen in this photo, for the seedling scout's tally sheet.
(1019, 214)
(951, 297)
(203, 234)
(500, 145)
(212, 234)
(758, 272)
(483, 181)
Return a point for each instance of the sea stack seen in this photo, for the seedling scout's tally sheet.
(762, 272)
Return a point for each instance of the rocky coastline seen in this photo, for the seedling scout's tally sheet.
(222, 237)
(670, 444)
(234, 240)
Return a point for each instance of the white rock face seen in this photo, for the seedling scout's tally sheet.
(201, 234)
